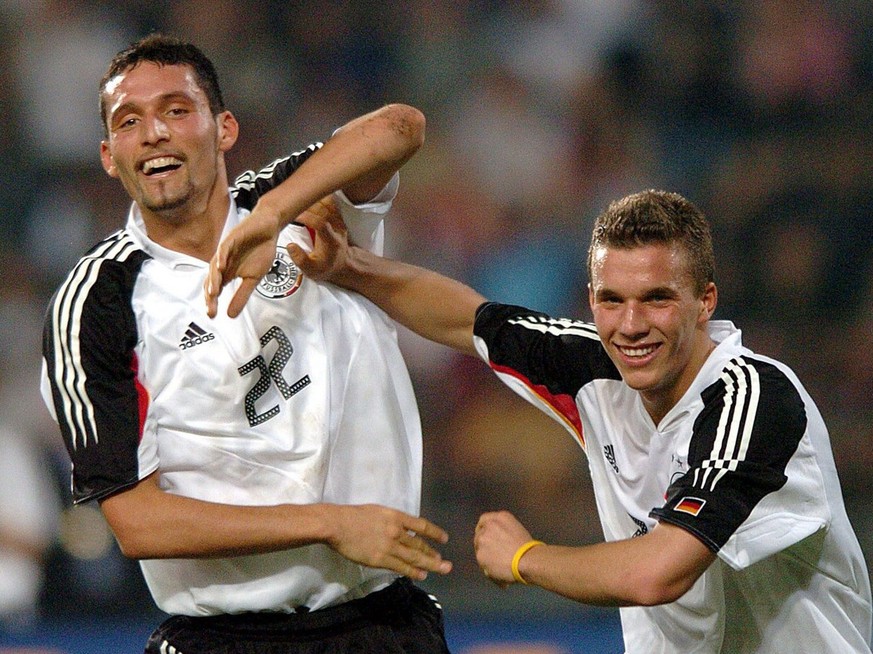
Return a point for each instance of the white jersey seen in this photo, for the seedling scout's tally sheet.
(743, 462)
(303, 398)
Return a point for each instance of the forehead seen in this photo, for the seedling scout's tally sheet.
(148, 81)
(637, 269)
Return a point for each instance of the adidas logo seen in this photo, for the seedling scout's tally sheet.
(195, 335)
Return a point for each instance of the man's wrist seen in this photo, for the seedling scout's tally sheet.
(516, 559)
(354, 270)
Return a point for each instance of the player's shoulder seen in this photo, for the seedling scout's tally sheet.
(759, 382)
(751, 368)
(250, 185)
(494, 315)
(117, 246)
(112, 261)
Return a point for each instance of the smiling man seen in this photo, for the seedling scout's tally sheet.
(267, 470)
(715, 482)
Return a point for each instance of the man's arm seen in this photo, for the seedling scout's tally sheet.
(656, 568)
(142, 517)
(432, 305)
(359, 159)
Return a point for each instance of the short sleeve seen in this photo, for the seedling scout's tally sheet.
(91, 383)
(753, 486)
(366, 222)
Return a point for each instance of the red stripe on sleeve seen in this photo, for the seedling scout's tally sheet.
(562, 404)
(141, 393)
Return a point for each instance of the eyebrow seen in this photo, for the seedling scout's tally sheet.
(667, 291)
(162, 99)
(663, 291)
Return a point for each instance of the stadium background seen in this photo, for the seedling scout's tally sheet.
(539, 112)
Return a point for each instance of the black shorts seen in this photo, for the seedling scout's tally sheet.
(400, 619)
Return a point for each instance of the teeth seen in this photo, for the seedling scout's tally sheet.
(159, 162)
(638, 351)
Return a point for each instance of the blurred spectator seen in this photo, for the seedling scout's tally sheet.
(62, 46)
(29, 509)
(793, 58)
(29, 502)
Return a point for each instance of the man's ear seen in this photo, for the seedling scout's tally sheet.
(106, 160)
(228, 130)
(709, 301)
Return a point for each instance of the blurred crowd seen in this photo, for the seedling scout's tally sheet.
(539, 113)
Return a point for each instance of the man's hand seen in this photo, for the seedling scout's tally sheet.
(330, 248)
(247, 252)
(498, 536)
(380, 537)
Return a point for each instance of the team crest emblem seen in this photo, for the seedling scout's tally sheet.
(283, 277)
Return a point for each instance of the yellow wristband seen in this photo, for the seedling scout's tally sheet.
(520, 552)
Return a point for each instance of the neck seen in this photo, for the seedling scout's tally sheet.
(658, 405)
(194, 231)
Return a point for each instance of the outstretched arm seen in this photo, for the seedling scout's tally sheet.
(151, 523)
(656, 568)
(359, 159)
(435, 307)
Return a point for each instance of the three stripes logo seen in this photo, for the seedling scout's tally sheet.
(195, 335)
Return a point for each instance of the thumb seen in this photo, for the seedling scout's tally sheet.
(297, 254)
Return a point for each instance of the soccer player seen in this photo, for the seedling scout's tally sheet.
(266, 470)
(715, 482)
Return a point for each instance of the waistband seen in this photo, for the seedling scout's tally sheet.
(390, 599)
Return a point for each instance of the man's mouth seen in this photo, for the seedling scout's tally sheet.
(637, 351)
(160, 165)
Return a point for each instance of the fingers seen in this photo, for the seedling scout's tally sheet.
(217, 277)
(424, 527)
(211, 289)
(416, 552)
(415, 558)
(420, 571)
(382, 537)
(325, 210)
(298, 255)
(410, 556)
(213, 283)
(243, 293)
(249, 250)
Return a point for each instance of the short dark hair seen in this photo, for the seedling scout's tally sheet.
(165, 51)
(651, 217)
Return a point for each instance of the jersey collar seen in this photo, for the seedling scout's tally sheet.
(171, 258)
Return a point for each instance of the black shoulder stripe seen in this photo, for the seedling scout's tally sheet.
(751, 426)
(558, 353)
(248, 187)
(761, 416)
(63, 331)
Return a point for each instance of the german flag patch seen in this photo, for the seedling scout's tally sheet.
(690, 505)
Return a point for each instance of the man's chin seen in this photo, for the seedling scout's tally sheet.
(639, 381)
(166, 207)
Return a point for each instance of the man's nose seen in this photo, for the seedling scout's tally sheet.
(633, 322)
(155, 130)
